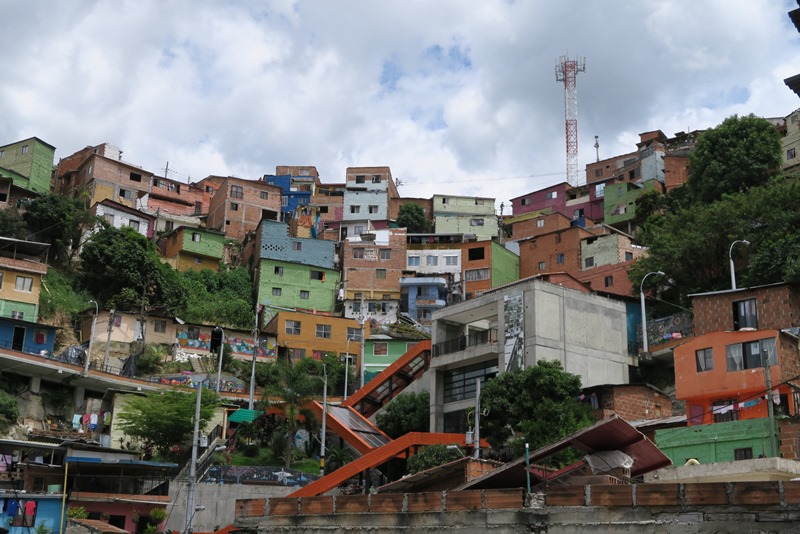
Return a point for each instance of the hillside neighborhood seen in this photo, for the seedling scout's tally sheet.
(301, 352)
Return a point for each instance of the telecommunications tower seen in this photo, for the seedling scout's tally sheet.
(567, 72)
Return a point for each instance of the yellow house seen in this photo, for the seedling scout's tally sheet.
(22, 266)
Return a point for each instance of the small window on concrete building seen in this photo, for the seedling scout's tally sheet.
(540, 223)
(159, 327)
(386, 254)
(476, 222)
(609, 281)
(324, 331)
(196, 237)
(705, 359)
(558, 238)
(413, 261)
(293, 328)
(355, 209)
(304, 295)
(560, 259)
(136, 177)
(743, 454)
(278, 270)
(360, 179)
(297, 245)
(358, 230)
(380, 349)
(551, 195)
(24, 283)
(125, 193)
(479, 201)
(24, 149)
(358, 253)
(234, 206)
(432, 260)
(791, 153)
(445, 200)
(373, 208)
(16, 314)
(451, 260)
(264, 195)
(318, 275)
(380, 274)
(2, 153)
(134, 225)
(198, 260)
(723, 411)
(628, 256)
(588, 262)
(542, 265)
(597, 174)
(525, 201)
(277, 291)
(109, 217)
(237, 191)
(376, 178)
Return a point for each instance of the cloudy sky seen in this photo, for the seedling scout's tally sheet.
(455, 96)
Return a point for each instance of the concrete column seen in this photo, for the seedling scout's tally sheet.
(80, 393)
(36, 384)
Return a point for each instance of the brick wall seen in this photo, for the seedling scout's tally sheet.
(361, 273)
(777, 307)
(632, 402)
(789, 438)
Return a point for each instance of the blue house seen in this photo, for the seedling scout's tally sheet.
(420, 297)
(295, 192)
(26, 336)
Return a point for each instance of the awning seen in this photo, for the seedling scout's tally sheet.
(243, 416)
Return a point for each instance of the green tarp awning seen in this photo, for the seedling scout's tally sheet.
(243, 416)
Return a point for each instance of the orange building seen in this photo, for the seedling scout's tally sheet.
(559, 250)
(310, 335)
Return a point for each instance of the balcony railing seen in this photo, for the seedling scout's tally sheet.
(450, 346)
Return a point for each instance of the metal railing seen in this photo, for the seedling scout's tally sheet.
(482, 337)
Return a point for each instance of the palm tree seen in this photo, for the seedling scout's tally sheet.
(293, 388)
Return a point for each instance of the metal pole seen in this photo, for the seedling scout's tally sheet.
(476, 451)
(770, 408)
(193, 466)
(363, 342)
(324, 420)
(346, 365)
(88, 356)
(645, 346)
(108, 339)
(730, 259)
(219, 366)
(528, 467)
(253, 368)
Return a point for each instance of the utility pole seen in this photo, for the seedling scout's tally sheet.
(193, 466)
(88, 357)
(476, 451)
(324, 420)
(108, 338)
(253, 368)
(770, 409)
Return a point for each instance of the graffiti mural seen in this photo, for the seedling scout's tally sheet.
(192, 339)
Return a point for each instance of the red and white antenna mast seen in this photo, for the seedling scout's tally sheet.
(567, 71)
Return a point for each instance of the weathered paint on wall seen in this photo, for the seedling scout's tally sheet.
(294, 285)
(714, 443)
(505, 265)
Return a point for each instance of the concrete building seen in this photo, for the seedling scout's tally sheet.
(23, 264)
(238, 206)
(310, 335)
(620, 201)
(329, 201)
(192, 249)
(676, 159)
(513, 327)
(559, 250)
(646, 164)
(790, 143)
(26, 169)
(373, 265)
(293, 272)
(538, 223)
(369, 195)
(120, 216)
(465, 215)
(386, 343)
(420, 296)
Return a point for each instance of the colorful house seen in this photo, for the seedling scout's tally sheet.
(192, 248)
(309, 335)
(26, 168)
(23, 264)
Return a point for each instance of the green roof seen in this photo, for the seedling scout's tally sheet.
(243, 416)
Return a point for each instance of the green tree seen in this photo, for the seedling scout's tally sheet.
(538, 405)
(161, 420)
(124, 270)
(293, 388)
(412, 217)
(432, 456)
(11, 223)
(9, 411)
(408, 412)
(57, 220)
(224, 297)
(740, 153)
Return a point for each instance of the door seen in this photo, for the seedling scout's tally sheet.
(19, 338)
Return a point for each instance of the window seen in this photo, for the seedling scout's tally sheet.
(598, 173)
(472, 275)
(560, 259)
(198, 207)
(234, 206)
(2, 153)
(525, 201)
(476, 253)
(353, 334)
(705, 360)
(459, 384)
(386, 254)
(373, 208)
(196, 237)
(380, 349)
(558, 238)
(237, 191)
(284, 201)
(134, 225)
(748, 355)
(24, 283)
(304, 294)
(297, 246)
(1, 280)
(600, 189)
(264, 195)
(386, 296)
(431, 260)
(540, 223)
(278, 271)
(628, 256)
(577, 214)
(551, 195)
(293, 328)
(198, 260)
(358, 230)
(355, 209)
(276, 291)
(413, 261)
(39, 337)
(169, 226)
(445, 200)
(360, 179)
(589, 262)
(136, 177)
(723, 411)
(744, 314)
(609, 281)
(24, 149)
(299, 353)
(743, 454)
(324, 331)
(125, 193)
(542, 265)
(376, 178)
(159, 327)
(791, 153)
(358, 253)
(451, 260)
(357, 306)
(318, 275)
(109, 217)
(476, 222)
(380, 274)
(15, 314)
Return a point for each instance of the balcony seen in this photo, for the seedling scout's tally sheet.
(474, 339)
(426, 301)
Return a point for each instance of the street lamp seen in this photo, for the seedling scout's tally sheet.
(730, 258)
(644, 316)
(88, 356)
(219, 365)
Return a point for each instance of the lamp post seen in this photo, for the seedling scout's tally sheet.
(108, 339)
(730, 259)
(253, 367)
(219, 365)
(346, 365)
(190, 508)
(88, 356)
(644, 316)
(324, 420)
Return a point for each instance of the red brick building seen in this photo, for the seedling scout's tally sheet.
(632, 402)
(559, 250)
(238, 206)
